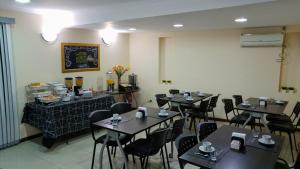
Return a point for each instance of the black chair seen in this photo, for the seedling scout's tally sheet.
(143, 148)
(99, 115)
(213, 104)
(199, 112)
(183, 144)
(238, 99)
(205, 129)
(238, 119)
(176, 130)
(279, 118)
(174, 91)
(285, 127)
(161, 103)
(121, 107)
(282, 164)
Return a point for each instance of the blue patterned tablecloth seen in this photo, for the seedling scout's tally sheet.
(63, 118)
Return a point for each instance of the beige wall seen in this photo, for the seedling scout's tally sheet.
(30, 51)
(214, 62)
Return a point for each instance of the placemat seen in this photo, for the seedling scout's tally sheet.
(253, 142)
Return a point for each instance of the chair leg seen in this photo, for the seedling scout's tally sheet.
(195, 126)
(166, 151)
(146, 164)
(295, 141)
(141, 161)
(259, 125)
(172, 149)
(213, 114)
(163, 157)
(115, 152)
(94, 151)
(109, 157)
(291, 145)
(191, 122)
(181, 164)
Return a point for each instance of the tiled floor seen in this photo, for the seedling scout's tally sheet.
(77, 155)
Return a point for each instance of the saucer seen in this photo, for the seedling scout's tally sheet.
(189, 99)
(246, 104)
(163, 114)
(201, 94)
(202, 149)
(119, 118)
(279, 102)
(262, 141)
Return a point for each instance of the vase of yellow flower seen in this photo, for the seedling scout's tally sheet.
(119, 70)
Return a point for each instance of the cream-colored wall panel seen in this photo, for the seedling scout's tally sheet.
(210, 61)
(36, 60)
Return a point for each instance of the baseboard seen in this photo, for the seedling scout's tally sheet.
(31, 137)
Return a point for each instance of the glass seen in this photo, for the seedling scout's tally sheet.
(79, 81)
(115, 119)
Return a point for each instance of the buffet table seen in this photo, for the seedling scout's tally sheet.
(63, 118)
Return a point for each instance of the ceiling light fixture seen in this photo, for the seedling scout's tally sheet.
(132, 29)
(241, 20)
(177, 25)
(23, 1)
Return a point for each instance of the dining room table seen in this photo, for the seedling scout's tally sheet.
(181, 100)
(131, 125)
(254, 156)
(255, 110)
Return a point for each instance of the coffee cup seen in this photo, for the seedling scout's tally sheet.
(207, 145)
(266, 138)
(163, 111)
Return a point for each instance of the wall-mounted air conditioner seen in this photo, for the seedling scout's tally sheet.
(262, 40)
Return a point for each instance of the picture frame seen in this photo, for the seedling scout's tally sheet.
(80, 57)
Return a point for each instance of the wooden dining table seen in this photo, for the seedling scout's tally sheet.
(180, 100)
(255, 156)
(257, 111)
(131, 125)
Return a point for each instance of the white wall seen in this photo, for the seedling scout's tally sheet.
(214, 62)
(36, 60)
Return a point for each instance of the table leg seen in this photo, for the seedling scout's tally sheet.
(102, 150)
(263, 121)
(248, 120)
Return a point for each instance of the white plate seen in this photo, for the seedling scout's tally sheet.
(262, 141)
(189, 99)
(246, 104)
(263, 98)
(119, 118)
(212, 149)
(279, 101)
(163, 114)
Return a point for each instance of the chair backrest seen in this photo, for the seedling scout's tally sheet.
(184, 143)
(173, 91)
(238, 99)
(159, 101)
(205, 129)
(177, 128)
(96, 116)
(213, 101)
(228, 105)
(296, 111)
(121, 107)
(158, 138)
(203, 106)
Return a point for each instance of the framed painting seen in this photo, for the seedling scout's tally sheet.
(79, 57)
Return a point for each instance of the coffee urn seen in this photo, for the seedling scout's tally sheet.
(132, 79)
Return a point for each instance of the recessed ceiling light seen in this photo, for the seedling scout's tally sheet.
(241, 20)
(177, 25)
(132, 29)
(23, 1)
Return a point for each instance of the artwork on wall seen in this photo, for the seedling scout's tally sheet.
(78, 57)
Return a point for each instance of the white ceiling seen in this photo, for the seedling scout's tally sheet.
(160, 15)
